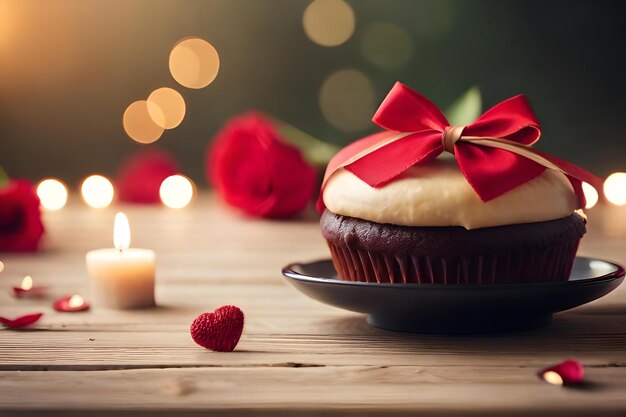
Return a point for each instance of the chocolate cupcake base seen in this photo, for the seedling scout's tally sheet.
(532, 252)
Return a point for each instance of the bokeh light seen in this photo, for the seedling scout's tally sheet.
(140, 125)
(97, 191)
(1, 266)
(169, 107)
(176, 191)
(347, 100)
(386, 45)
(194, 63)
(75, 301)
(52, 194)
(591, 195)
(328, 22)
(615, 188)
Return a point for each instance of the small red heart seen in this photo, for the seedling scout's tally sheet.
(220, 330)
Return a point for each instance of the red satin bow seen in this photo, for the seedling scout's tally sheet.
(416, 130)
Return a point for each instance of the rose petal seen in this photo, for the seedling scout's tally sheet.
(22, 321)
(569, 372)
(63, 305)
(34, 292)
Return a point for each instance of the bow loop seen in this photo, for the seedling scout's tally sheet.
(511, 119)
(493, 152)
(405, 110)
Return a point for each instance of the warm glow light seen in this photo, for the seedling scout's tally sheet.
(591, 195)
(139, 123)
(27, 283)
(52, 194)
(553, 378)
(121, 232)
(347, 100)
(386, 45)
(615, 188)
(170, 107)
(328, 22)
(194, 63)
(75, 301)
(7, 29)
(97, 191)
(1, 266)
(176, 191)
(600, 267)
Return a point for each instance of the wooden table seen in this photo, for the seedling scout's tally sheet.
(296, 355)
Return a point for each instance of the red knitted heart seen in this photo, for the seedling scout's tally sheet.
(220, 330)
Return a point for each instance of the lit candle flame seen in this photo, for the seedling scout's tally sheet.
(121, 232)
(553, 378)
(75, 301)
(27, 283)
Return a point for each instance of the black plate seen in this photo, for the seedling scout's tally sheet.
(457, 309)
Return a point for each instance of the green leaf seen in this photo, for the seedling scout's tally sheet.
(316, 151)
(4, 178)
(466, 108)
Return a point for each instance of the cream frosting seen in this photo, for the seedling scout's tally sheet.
(437, 194)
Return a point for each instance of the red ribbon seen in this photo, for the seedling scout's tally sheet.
(417, 132)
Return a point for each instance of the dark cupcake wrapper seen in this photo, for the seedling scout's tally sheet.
(541, 264)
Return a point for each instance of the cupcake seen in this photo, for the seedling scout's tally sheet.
(430, 203)
(430, 227)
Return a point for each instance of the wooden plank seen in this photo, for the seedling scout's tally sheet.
(337, 341)
(419, 389)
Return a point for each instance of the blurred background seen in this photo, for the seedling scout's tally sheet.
(70, 69)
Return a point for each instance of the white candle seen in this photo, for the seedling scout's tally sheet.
(121, 278)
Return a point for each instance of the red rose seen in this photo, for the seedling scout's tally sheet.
(141, 176)
(20, 218)
(252, 167)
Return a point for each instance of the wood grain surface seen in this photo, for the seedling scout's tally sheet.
(296, 356)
